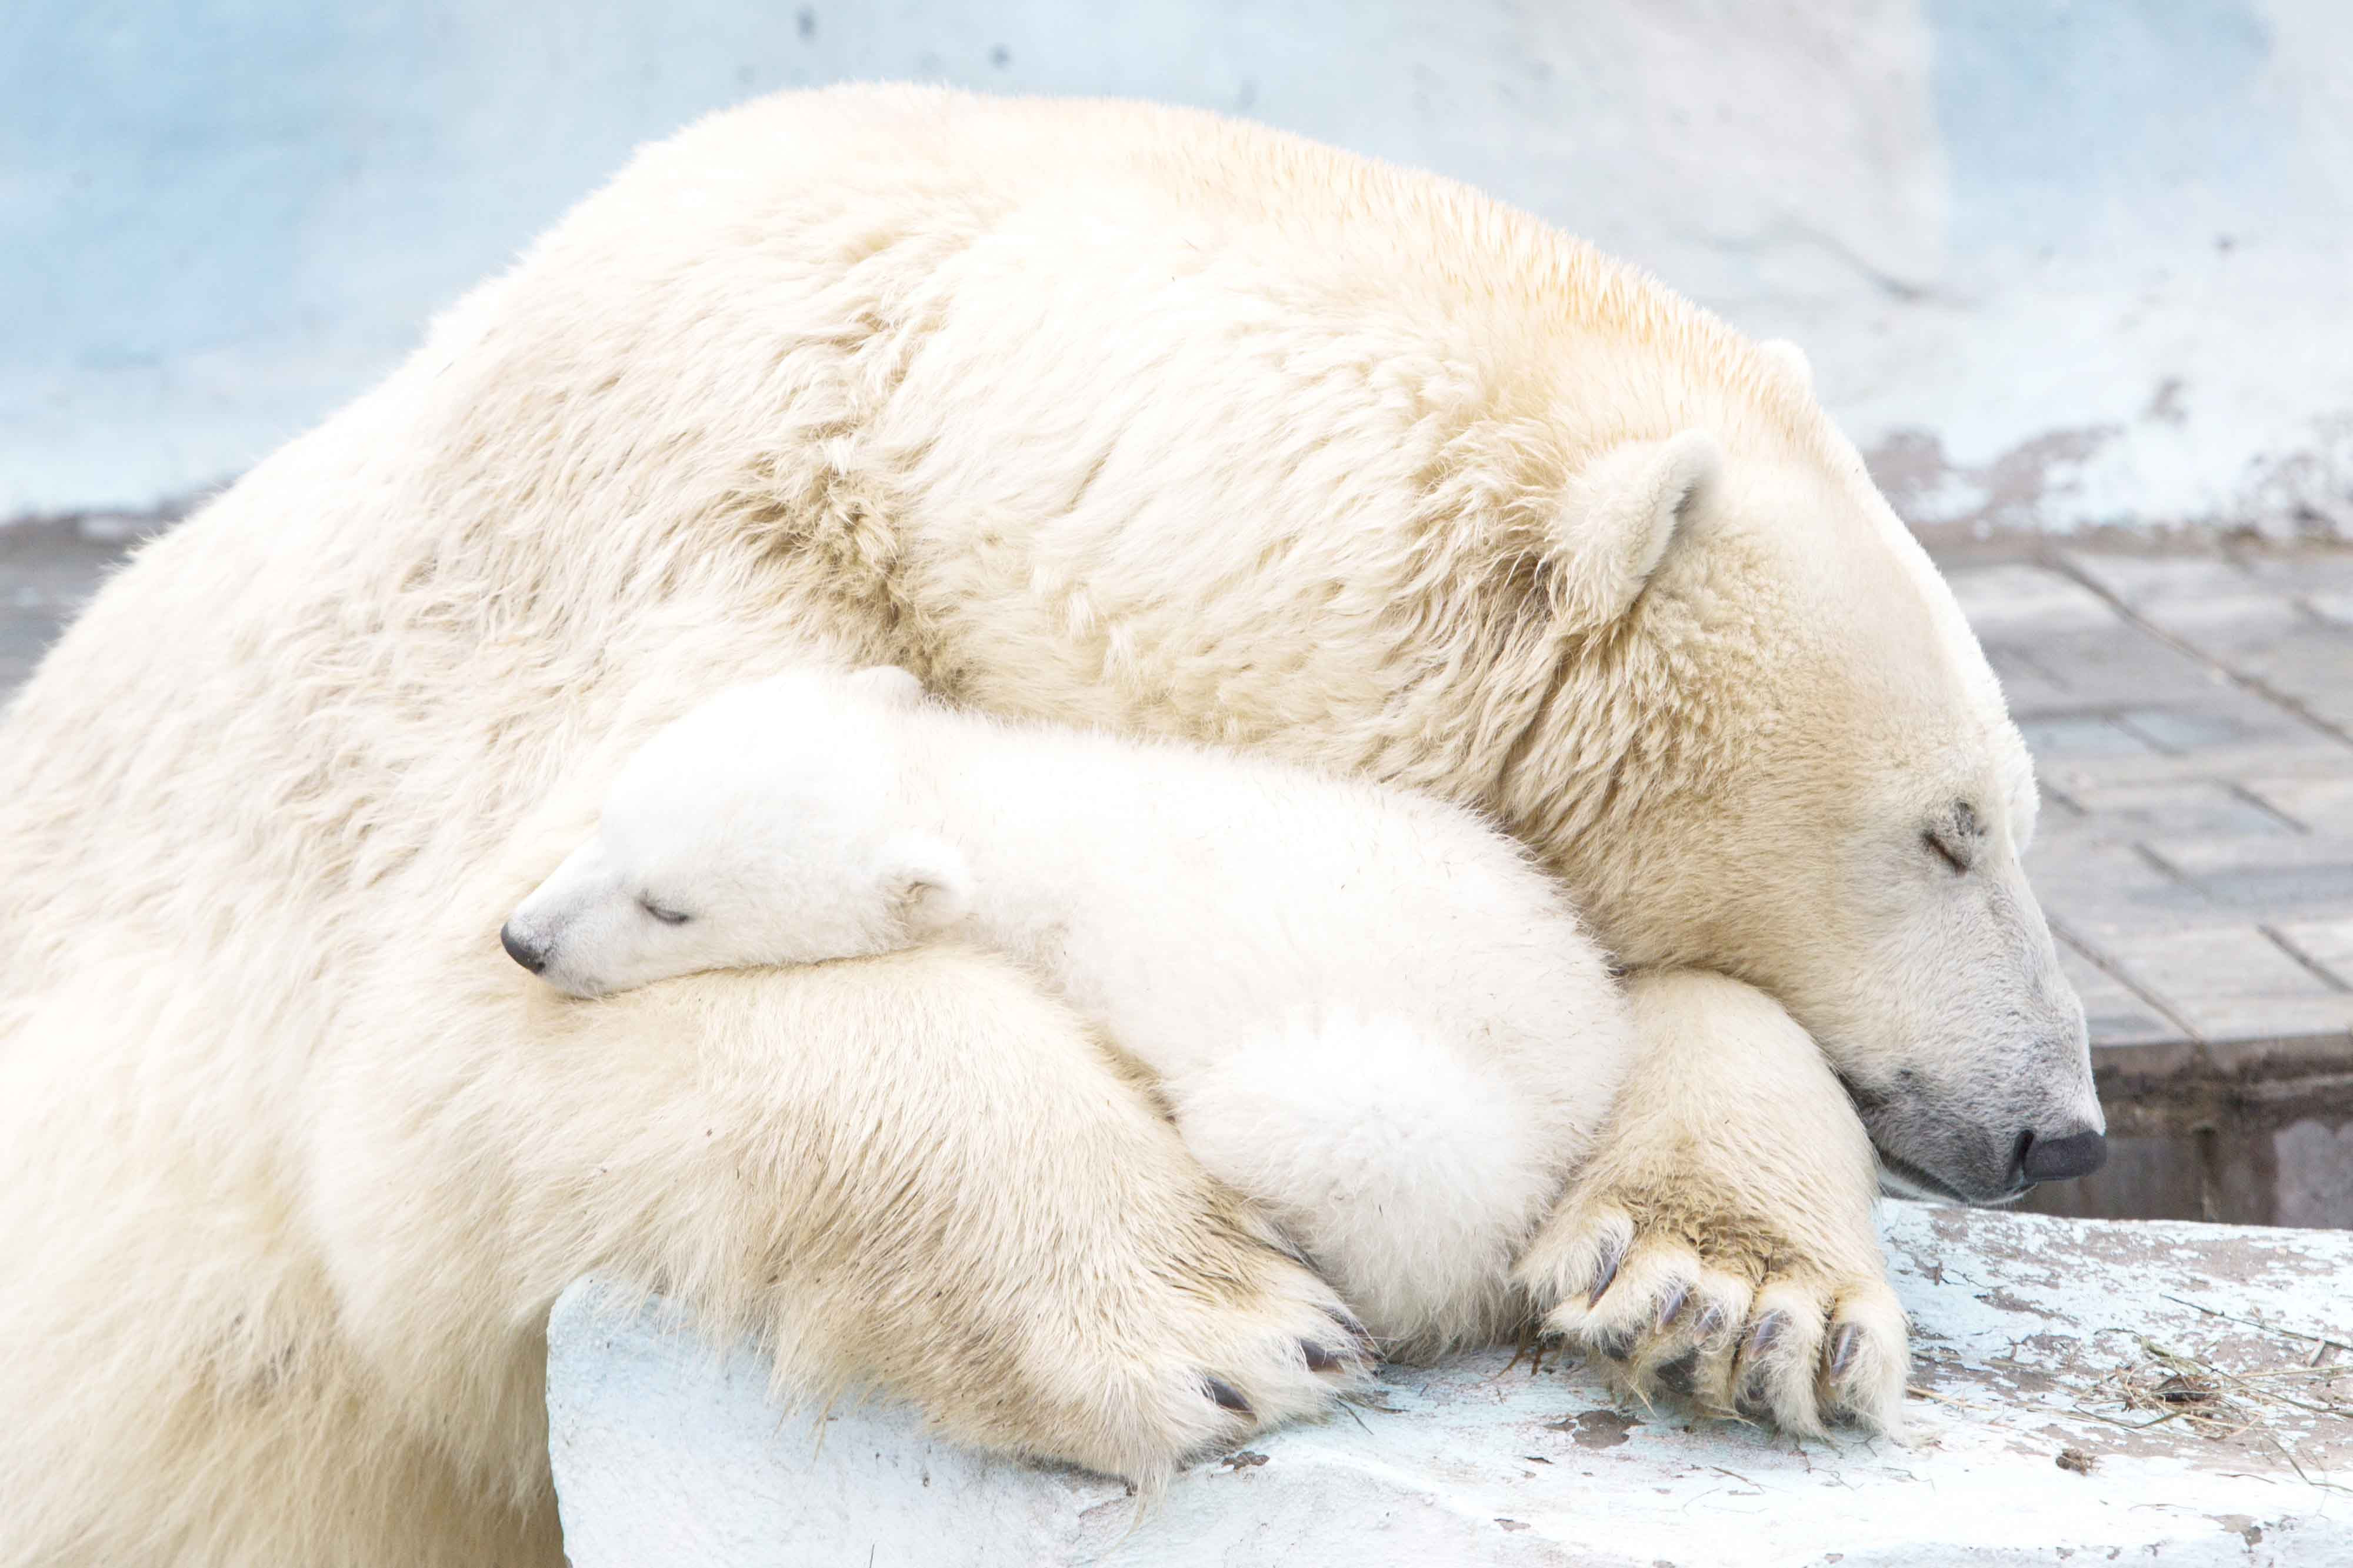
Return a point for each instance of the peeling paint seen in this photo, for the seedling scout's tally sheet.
(2022, 1321)
(2015, 489)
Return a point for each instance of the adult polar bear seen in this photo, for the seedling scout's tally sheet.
(1084, 411)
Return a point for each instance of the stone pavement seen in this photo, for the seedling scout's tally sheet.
(2192, 718)
(2191, 713)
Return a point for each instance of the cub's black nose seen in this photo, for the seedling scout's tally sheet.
(532, 958)
(2061, 1159)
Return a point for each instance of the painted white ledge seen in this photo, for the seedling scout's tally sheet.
(668, 1452)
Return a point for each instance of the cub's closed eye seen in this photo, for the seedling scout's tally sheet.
(1945, 851)
(667, 917)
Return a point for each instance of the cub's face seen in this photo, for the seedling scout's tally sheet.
(755, 831)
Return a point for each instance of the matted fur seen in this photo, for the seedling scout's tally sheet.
(1084, 411)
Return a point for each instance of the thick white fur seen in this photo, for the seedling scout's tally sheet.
(1369, 1012)
(1082, 411)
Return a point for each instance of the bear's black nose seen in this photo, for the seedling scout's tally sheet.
(521, 949)
(2062, 1158)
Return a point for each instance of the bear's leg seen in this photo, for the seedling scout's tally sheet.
(1409, 1172)
(916, 1170)
(1719, 1244)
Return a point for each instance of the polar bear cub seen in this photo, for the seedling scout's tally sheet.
(1367, 1009)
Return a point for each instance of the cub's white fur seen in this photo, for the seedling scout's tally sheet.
(1367, 1009)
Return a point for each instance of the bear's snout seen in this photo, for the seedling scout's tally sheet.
(531, 955)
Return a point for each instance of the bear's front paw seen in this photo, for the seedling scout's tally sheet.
(1718, 1311)
(1192, 1361)
(1718, 1244)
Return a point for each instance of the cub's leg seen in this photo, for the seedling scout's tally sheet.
(1719, 1244)
(1409, 1173)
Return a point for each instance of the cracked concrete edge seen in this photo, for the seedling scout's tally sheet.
(667, 1450)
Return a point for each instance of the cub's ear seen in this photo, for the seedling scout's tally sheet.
(1618, 518)
(888, 684)
(1788, 362)
(926, 881)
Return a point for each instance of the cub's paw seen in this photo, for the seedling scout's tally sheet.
(1727, 1316)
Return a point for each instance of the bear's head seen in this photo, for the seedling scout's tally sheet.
(758, 829)
(1773, 748)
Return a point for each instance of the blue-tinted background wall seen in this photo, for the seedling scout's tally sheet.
(2056, 263)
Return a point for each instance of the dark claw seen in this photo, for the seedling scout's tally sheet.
(1673, 1307)
(1711, 1322)
(1356, 1331)
(1680, 1375)
(1750, 1406)
(1843, 1348)
(1610, 1262)
(1318, 1358)
(1228, 1395)
(1761, 1337)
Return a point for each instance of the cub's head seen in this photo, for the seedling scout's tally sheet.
(761, 829)
(1778, 751)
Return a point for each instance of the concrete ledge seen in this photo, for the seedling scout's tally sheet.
(2052, 1426)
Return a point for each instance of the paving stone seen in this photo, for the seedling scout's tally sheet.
(2328, 945)
(2312, 667)
(2094, 734)
(2230, 983)
(2026, 687)
(2298, 571)
(2288, 873)
(2128, 811)
(2320, 758)
(1999, 599)
(2119, 667)
(2115, 1014)
(2174, 591)
(2093, 888)
(2322, 804)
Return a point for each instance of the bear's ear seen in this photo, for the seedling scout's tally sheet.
(1618, 517)
(889, 685)
(1788, 362)
(926, 881)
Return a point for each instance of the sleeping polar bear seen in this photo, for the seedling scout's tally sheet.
(1086, 412)
(1367, 1009)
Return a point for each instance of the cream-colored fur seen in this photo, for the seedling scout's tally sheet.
(1083, 411)
(1796, 1322)
(1368, 1011)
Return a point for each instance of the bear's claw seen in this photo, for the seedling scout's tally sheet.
(1795, 1349)
(1227, 1396)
